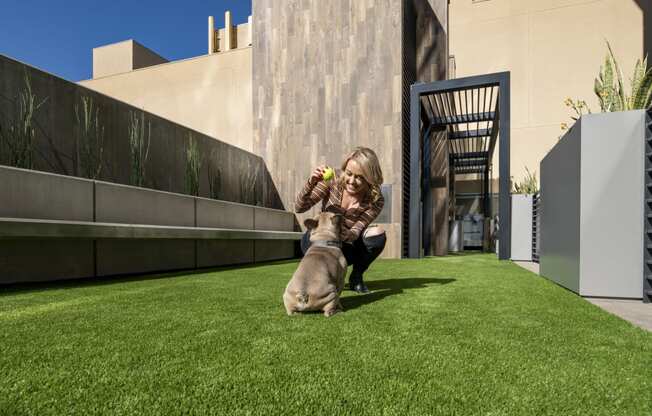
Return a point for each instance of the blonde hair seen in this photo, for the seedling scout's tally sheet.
(371, 172)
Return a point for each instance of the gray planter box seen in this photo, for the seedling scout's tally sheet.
(592, 193)
(522, 227)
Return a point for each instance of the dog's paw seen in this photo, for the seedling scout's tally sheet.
(331, 312)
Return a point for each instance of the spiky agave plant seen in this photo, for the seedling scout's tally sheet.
(249, 182)
(193, 166)
(609, 86)
(214, 175)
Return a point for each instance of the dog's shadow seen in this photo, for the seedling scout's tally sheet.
(380, 289)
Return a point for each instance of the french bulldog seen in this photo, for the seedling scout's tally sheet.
(318, 281)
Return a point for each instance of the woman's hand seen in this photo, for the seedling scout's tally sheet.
(317, 174)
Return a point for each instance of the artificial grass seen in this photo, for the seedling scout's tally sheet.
(461, 335)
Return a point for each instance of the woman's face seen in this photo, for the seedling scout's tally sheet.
(354, 182)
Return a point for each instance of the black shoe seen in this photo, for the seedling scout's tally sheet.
(356, 283)
(360, 288)
(354, 279)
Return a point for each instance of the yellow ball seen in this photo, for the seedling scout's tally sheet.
(329, 173)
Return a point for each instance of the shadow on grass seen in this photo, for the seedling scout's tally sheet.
(380, 289)
(123, 278)
(465, 253)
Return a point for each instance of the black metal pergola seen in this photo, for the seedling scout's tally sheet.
(475, 113)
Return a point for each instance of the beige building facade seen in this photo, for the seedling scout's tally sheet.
(123, 57)
(209, 93)
(553, 49)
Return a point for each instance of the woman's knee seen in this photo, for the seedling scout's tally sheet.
(374, 238)
(373, 231)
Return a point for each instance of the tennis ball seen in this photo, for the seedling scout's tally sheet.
(329, 173)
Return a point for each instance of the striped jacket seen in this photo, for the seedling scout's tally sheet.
(330, 193)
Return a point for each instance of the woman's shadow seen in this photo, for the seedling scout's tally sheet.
(380, 289)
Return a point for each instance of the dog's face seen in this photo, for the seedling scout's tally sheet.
(326, 222)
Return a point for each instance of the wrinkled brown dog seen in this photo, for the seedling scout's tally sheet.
(319, 279)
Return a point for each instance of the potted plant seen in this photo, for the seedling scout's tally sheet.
(522, 201)
(594, 193)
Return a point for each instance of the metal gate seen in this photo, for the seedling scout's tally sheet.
(475, 114)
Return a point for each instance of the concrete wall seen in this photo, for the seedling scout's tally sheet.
(30, 194)
(592, 220)
(554, 49)
(210, 94)
(327, 77)
(121, 57)
(237, 175)
(39, 195)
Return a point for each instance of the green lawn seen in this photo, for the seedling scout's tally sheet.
(461, 335)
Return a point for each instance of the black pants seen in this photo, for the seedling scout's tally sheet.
(360, 254)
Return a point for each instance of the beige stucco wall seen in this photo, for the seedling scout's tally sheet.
(144, 57)
(553, 48)
(121, 57)
(112, 59)
(241, 37)
(210, 93)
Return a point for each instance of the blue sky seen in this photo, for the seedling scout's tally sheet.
(59, 36)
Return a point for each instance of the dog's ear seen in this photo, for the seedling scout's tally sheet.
(311, 223)
(337, 219)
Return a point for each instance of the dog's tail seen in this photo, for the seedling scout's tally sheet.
(303, 298)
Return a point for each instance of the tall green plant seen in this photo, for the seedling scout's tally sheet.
(529, 185)
(139, 146)
(609, 86)
(17, 140)
(89, 139)
(248, 184)
(214, 176)
(193, 166)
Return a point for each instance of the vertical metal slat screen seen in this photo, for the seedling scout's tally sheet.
(409, 58)
(647, 229)
(536, 226)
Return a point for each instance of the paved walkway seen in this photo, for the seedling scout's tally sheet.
(634, 311)
(529, 265)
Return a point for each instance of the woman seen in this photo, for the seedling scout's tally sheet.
(356, 195)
